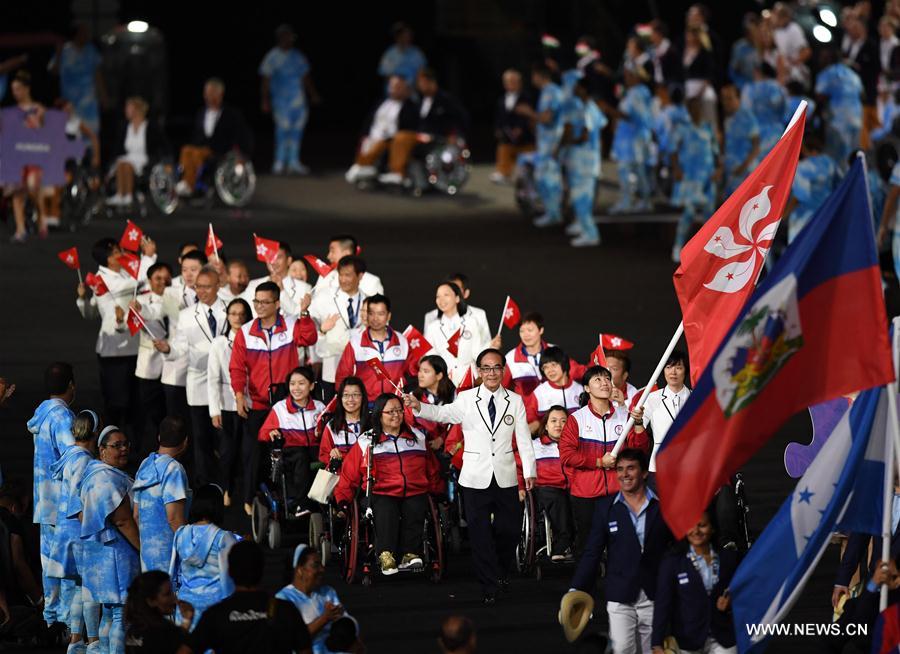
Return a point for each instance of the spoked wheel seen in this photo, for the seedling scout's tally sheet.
(235, 181)
(162, 188)
(434, 542)
(348, 551)
(259, 520)
(525, 547)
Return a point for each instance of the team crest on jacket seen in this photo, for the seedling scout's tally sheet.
(769, 335)
(508, 420)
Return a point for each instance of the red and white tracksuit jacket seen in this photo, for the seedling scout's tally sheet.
(586, 437)
(402, 466)
(342, 439)
(523, 373)
(297, 424)
(549, 468)
(258, 363)
(394, 354)
(547, 395)
(432, 429)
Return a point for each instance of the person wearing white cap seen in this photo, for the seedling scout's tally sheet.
(319, 605)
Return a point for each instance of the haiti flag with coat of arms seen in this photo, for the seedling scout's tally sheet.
(815, 329)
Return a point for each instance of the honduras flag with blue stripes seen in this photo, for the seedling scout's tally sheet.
(841, 489)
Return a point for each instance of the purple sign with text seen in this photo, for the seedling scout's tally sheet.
(45, 146)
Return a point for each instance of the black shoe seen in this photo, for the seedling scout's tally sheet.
(489, 599)
(503, 585)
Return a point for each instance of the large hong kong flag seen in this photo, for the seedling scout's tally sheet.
(721, 263)
(815, 329)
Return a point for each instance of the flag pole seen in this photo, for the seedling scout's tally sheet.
(80, 280)
(892, 450)
(212, 236)
(502, 316)
(646, 392)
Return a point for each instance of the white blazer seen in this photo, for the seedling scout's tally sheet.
(478, 314)
(660, 410)
(488, 452)
(369, 284)
(331, 346)
(193, 339)
(150, 360)
(291, 294)
(474, 339)
(218, 377)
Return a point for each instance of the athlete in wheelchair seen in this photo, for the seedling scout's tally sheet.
(384, 492)
(214, 162)
(414, 146)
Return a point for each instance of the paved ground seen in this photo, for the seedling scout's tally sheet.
(624, 287)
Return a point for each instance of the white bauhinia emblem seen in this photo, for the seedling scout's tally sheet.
(415, 343)
(133, 235)
(735, 275)
(133, 265)
(261, 249)
(508, 313)
(70, 259)
(615, 341)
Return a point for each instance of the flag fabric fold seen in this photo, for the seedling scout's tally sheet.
(213, 243)
(820, 310)
(98, 286)
(721, 263)
(70, 258)
(266, 249)
(613, 342)
(130, 263)
(841, 490)
(134, 321)
(418, 346)
(322, 268)
(453, 342)
(511, 313)
(131, 237)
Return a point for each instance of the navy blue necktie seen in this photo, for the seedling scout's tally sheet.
(351, 317)
(492, 411)
(211, 319)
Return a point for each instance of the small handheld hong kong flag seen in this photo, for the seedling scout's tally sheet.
(131, 237)
(213, 243)
(70, 258)
(266, 249)
(98, 286)
(418, 346)
(598, 356)
(613, 342)
(511, 313)
(378, 368)
(322, 268)
(130, 263)
(453, 342)
(468, 381)
(134, 322)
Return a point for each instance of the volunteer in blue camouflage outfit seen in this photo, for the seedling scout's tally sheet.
(403, 58)
(285, 83)
(838, 91)
(741, 147)
(161, 495)
(582, 122)
(631, 142)
(814, 180)
(78, 65)
(66, 551)
(766, 100)
(694, 168)
(51, 426)
(547, 134)
(110, 540)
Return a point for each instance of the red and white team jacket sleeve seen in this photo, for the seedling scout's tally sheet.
(346, 366)
(305, 332)
(270, 424)
(569, 455)
(237, 366)
(326, 445)
(637, 441)
(350, 476)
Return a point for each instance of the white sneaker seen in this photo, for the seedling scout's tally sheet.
(183, 189)
(585, 241)
(546, 221)
(499, 178)
(390, 178)
(573, 229)
(298, 169)
(352, 173)
(116, 200)
(278, 168)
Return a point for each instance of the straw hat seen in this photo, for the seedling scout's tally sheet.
(575, 611)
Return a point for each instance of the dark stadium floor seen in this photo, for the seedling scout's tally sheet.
(624, 287)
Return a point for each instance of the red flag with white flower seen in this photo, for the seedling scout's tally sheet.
(453, 342)
(380, 371)
(134, 322)
(130, 263)
(70, 258)
(613, 342)
(98, 286)
(266, 249)
(721, 263)
(598, 356)
(131, 237)
(418, 346)
(467, 382)
(511, 313)
(322, 268)
(213, 243)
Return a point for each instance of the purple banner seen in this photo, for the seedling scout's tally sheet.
(825, 418)
(45, 146)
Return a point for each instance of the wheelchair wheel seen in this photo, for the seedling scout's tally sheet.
(259, 520)
(348, 551)
(525, 548)
(235, 180)
(316, 531)
(447, 166)
(433, 541)
(162, 183)
(274, 534)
